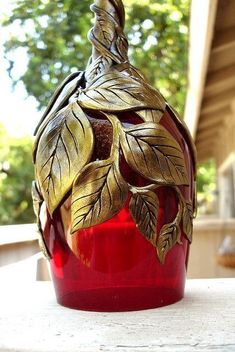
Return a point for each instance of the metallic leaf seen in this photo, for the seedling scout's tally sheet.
(61, 96)
(104, 29)
(37, 199)
(152, 151)
(98, 66)
(188, 220)
(127, 69)
(144, 208)
(59, 99)
(168, 237)
(99, 193)
(122, 47)
(64, 148)
(149, 115)
(37, 203)
(107, 35)
(186, 133)
(115, 91)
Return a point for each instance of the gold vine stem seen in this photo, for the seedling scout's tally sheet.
(107, 32)
(114, 153)
(115, 156)
(181, 206)
(152, 187)
(116, 125)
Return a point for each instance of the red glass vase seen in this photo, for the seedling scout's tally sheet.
(111, 266)
(114, 189)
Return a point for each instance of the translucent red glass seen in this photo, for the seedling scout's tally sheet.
(112, 267)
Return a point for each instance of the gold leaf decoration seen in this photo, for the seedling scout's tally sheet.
(98, 66)
(168, 237)
(144, 208)
(122, 47)
(186, 133)
(127, 69)
(188, 220)
(104, 29)
(151, 151)
(115, 91)
(66, 135)
(37, 199)
(149, 115)
(99, 193)
(107, 35)
(60, 96)
(64, 148)
(37, 203)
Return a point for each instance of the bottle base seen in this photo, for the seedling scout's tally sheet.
(120, 299)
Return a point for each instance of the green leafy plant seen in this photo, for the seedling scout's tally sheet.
(54, 34)
(16, 174)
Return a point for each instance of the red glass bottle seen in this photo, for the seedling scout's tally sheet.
(114, 190)
(111, 266)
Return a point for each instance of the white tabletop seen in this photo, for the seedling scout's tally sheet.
(31, 320)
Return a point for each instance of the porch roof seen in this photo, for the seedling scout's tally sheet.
(211, 93)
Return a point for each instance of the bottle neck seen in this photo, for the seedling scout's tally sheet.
(108, 30)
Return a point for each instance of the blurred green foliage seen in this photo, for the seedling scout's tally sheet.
(206, 186)
(16, 174)
(206, 176)
(54, 34)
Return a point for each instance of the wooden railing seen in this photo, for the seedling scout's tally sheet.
(20, 252)
(19, 245)
(209, 233)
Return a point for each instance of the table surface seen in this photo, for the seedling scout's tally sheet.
(31, 320)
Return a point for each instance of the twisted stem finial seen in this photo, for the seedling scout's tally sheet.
(107, 35)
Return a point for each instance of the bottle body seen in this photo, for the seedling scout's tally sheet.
(115, 170)
(112, 266)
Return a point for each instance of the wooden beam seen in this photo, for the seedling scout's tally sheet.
(205, 134)
(204, 154)
(221, 59)
(217, 88)
(210, 123)
(203, 157)
(219, 76)
(223, 39)
(212, 128)
(202, 21)
(225, 14)
(205, 151)
(212, 137)
(209, 120)
(218, 101)
(205, 144)
(219, 80)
